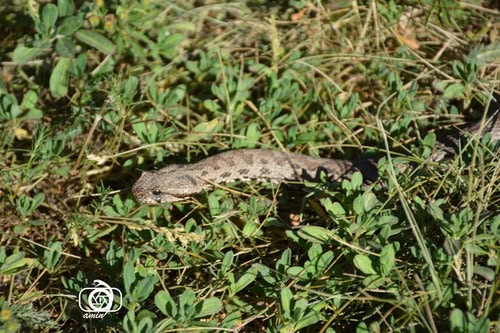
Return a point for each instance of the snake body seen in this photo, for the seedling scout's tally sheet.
(180, 181)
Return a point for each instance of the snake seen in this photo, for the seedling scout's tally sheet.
(178, 182)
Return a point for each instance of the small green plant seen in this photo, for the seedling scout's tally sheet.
(461, 322)
(52, 256)
(14, 263)
(23, 315)
(187, 311)
(26, 205)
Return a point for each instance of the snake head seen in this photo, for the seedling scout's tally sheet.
(169, 184)
(153, 195)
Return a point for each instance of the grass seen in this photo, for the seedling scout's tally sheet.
(94, 92)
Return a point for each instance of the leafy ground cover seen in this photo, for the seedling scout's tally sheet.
(93, 92)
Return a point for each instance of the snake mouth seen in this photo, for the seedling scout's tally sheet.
(167, 198)
(159, 198)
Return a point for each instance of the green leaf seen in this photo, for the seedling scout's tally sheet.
(23, 204)
(169, 44)
(315, 234)
(485, 272)
(299, 309)
(212, 106)
(65, 47)
(59, 78)
(23, 54)
(26, 205)
(233, 319)
(430, 140)
(78, 70)
(14, 264)
(310, 318)
(452, 246)
(482, 325)
(49, 16)
(323, 262)
(454, 90)
(284, 261)
(211, 126)
(357, 180)
(252, 135)
(69, 25)
(265, 273)
(33, 114)
(362, 328)
(145, 325)
(209, 307)
(458, 321)
(129, 324)
(251, 229)
(466, 322)
(387, 220)
(186, 304)
(387, 257)
(369, 201)
(65, 7)
(140, 129)
(243, 281)
(30, 99)
(314, 252)
(119, 204)
(358, 204)
(144, 288)
(227, 262)
(436, 212)
(295, 271)
(95, 40)
(128, 276)
(335, 209)
(286, 302)
(165, 303)
(136, 49)
(52, 255)
(129, 88)
(364, 264)
(171, 41)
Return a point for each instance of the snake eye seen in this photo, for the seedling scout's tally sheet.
(156, 192)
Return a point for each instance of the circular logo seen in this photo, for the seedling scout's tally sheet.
(100, 299)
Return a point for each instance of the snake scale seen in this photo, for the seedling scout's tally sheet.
(180, 181)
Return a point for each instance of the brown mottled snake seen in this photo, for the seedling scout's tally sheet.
(178, 182)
